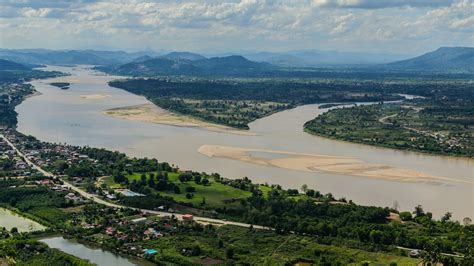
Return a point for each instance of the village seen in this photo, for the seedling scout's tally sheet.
(126, 230)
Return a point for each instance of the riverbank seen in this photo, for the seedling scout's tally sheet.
(150, 113)
(323, 163)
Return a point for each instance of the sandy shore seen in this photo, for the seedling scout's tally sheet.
(35, 93)
(322, 163)
(150, 113)
(95, 96)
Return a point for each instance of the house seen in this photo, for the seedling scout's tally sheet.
(187, 217)
(139, 220)
(111, 196)
(110, 231)
(414, 253)
(150, 252)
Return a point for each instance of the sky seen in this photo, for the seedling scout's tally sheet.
(377, 26)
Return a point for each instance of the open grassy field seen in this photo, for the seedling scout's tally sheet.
(214, 194)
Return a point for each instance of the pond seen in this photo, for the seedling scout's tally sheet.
(91, 253)
(9, 219)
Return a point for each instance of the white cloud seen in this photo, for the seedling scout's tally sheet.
(32, 13)
(248, 24)
(374, 4)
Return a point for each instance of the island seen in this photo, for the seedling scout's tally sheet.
(237, 102)
(61, 85)
(439, 123)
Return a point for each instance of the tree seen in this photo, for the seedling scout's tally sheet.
(176, 190)
(229, 253)
(446, 217)
(432, 252)
(151, 182)
(418, 212)
(197, 179)
(375, 236)
(205, 181)
(304, 188)
(190, 189)
(406, 216)
(466, 221)
(143, 179)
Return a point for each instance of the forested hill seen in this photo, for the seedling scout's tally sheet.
(455, 59)
(189, 64)
(9, 65)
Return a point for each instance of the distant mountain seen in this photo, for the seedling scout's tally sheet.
(183, 56)
(317, 58)
(58, 57)
(452, 59)
(142, 59)
(229, 65)
(9, 65)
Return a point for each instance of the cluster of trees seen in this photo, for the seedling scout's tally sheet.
(282, 91)
(228, 112)
(429, 117)
(360, 225)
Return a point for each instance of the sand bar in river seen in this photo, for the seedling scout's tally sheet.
(322, 163)
(152, 114)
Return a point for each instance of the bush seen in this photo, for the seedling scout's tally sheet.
(406, 216)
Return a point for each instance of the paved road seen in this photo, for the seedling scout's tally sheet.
(99, 200)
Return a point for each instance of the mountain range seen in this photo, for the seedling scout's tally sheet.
(445, 59)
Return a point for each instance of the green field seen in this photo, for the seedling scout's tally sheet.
(214, 194)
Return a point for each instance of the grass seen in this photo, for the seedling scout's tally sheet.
(214, 194)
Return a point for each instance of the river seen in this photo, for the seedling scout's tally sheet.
(74, 116)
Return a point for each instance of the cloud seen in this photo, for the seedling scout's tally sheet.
(375, 4)
(31, 12)
(398, 25)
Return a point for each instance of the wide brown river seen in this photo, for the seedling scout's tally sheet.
(75, 117)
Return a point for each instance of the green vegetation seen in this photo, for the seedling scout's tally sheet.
(193, 189)
(236, 102)
(425, 126)
(227, 112)
(61, 85)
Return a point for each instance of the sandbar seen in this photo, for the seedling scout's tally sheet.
(95, 96)
(323, 163)
(151, 113)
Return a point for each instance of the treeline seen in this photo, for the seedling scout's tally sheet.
(272, 91)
